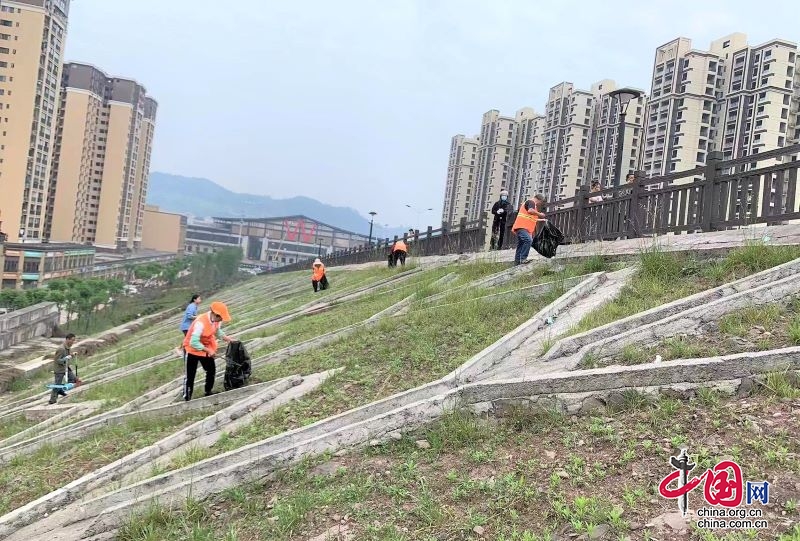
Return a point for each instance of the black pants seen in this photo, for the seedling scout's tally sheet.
(59, 380)
(320, 284)
(399, 256)
(208, 365)
(498, 234)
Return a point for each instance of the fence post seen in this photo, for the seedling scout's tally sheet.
(711, 173)
(462, 226)
(633, 229)
(487, 231)
(579, 205)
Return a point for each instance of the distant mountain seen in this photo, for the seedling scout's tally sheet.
(202, 198)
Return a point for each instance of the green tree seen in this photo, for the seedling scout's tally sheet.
(114, 288)
(12, 299)
(227, 264)
(59, 298)
(35, 296)
(71, 298)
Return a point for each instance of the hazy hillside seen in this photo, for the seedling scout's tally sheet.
(201, 197)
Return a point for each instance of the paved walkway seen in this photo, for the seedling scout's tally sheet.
(717, 240)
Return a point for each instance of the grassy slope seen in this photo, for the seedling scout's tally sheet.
(400, 353)
(524, 478)
(666, 276)
(28, 477)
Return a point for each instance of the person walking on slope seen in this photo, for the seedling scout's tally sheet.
(399, 253)
(191, 313)
(318, 277)
(530, 213)
(500, 210)
(200, 346)
(60, 366)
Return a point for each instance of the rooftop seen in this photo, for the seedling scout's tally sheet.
(281, 218)
(46, 246)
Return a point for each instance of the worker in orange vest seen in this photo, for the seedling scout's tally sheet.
(529, 215)
(200, 346)
(318, 277)
(399, 253)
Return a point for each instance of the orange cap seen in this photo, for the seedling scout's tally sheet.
(221, 310)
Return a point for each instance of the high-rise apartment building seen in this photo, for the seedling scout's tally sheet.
(102, 160)
(565, 141)
(32, 35)
(496, 141)
(686, 85)
(734, 98)
(461, 169)
(603, 158)
(526, 155)
(759, 108)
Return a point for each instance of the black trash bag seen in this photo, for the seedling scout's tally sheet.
(237, 366)
(547, 239)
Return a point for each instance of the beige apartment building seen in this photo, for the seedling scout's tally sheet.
(565, 142)
(759, 109)
(32, 35)
(496, 142)
(734, 98)
(686, 85)
(526, 155)
(602, 163)
(102, 160)
(163, 231)
(461, 168)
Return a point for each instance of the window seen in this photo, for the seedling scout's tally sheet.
(4, 50)
(5, 22)
(726, 44)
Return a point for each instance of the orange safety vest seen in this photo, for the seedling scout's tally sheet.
(400, 246)
(526, 220)
(317, 272)
(208, 338)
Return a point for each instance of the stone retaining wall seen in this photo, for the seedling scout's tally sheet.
(21, 325)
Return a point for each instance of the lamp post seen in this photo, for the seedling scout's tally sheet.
(372, 213)
(624, 97)
(419, 212)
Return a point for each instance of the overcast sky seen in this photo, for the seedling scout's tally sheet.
(354, 102)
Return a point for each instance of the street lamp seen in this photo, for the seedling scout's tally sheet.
(419, 212)
(372, 213)
(624, 97)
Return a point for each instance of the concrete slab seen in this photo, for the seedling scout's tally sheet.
(42, 413)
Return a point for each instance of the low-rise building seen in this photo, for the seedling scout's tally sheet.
(274, 241)
(28, 265)
(163, 231)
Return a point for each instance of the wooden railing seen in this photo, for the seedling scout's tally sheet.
(720, 195)
(466, 237)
